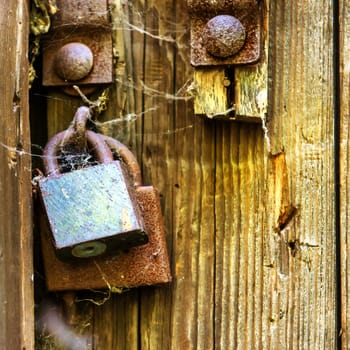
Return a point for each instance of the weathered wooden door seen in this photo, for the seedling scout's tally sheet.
(257, 220)
(16, 278)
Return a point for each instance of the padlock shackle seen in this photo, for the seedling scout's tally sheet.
(101, 151)
(79, 124)
(127, 157)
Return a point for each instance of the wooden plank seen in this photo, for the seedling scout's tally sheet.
(16, 272)
(344, 52)
(193, 211)
(157, 81)
(239, 194)
(299, 293)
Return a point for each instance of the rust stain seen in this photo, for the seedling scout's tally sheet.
(286, 216)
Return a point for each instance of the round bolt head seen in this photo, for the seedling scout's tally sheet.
(74, 61)
(223, 36)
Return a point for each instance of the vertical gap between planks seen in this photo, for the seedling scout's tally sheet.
(170, 242)
(337, 205)
(215, 241)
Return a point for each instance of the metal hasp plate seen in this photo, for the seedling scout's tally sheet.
(90, 211)
(78, 48)
(229, 54)
(224, 32)
(143, 265)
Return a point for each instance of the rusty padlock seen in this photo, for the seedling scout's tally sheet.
(145, 264)
(91, 211)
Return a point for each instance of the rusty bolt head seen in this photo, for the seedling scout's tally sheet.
(74, 61)
(223, 36)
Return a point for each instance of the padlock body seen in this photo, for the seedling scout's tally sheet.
(92, 211)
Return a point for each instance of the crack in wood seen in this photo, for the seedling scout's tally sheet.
(286, 217)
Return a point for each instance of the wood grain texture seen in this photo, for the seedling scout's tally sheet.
(157, 81)
(16, 272)
(239, 194)
(300, 285)
(192, 324)
(249, 214)
(210, 93)
(344, 50)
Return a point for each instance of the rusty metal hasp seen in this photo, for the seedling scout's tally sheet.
(91, 211)
(101, 227)
(229, 54)
(78, 48)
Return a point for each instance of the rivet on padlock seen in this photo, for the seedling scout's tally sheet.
(90, 211)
